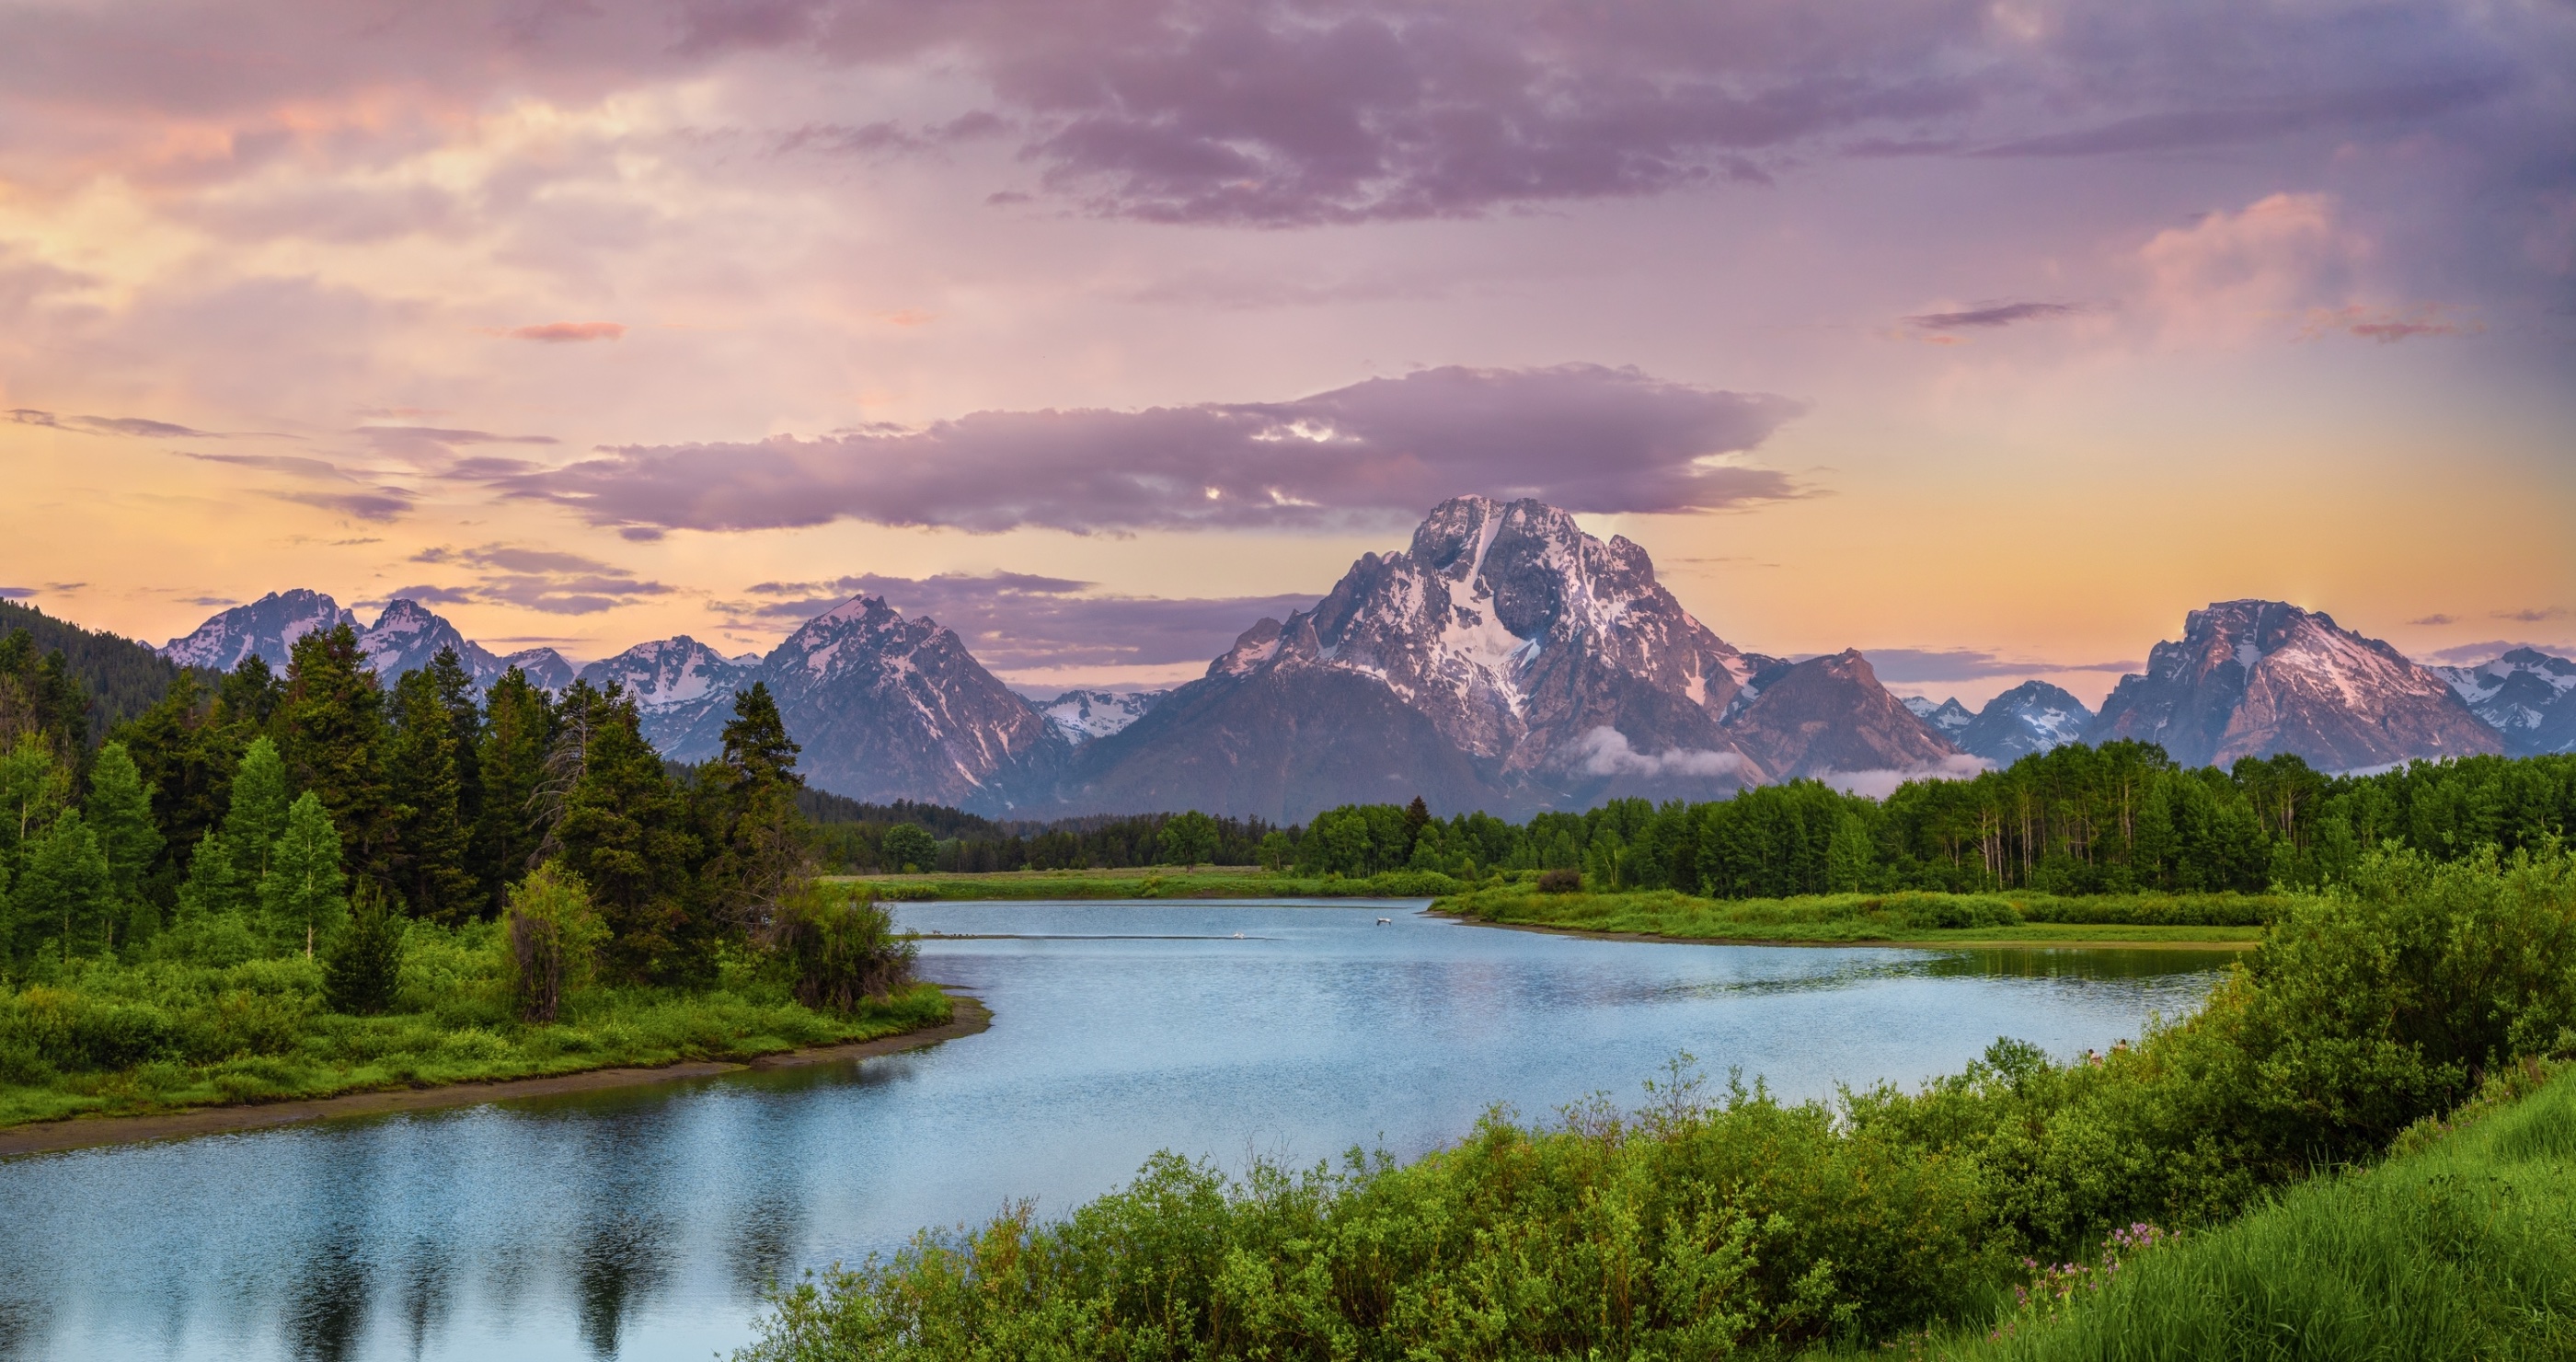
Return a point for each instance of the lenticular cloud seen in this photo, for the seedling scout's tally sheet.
(1580, 436)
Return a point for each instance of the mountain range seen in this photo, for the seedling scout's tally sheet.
(1504, 659)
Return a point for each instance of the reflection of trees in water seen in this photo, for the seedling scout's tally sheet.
(20, 1322)
(326, 1308)
(2170, 969)
(624, 1261)
(425, 1293)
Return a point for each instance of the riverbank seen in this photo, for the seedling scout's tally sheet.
(1158, 882)
(2207, 922)
(966, 1017)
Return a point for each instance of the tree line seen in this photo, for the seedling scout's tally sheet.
(278, 811)
(2119, 818)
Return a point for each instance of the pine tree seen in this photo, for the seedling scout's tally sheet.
(256, 816)
(34, 786)
(65, 891)
(250, 695)
(334, 738)
(761, 851)
(215, 882)
(187, 760)
(518, 731)
(431, 833)
(627, 833)
(119, 812)
(456, 693)
(301, 896)
(364, 966)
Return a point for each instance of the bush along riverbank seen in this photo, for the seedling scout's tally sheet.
(1712, 1223)
(1204, 882)
(1556, 900)
(367, 892)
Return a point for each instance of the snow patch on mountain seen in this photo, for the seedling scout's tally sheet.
(1084, 715)
(268, 627)
(2526, 695)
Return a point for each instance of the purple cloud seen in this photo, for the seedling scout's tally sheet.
(16, 593)
(2534, 616)
(109, 425)
(1017, 621)
(1579, 436)
(1990, 318)
(378, 504)
(547, 580)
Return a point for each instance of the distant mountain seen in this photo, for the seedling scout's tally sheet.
(1946, 718)
(407, 637)
(544, 667)
(888, 707)
(1830, 715)
(1082, 715)
(2254, 678)
(2527, 696)
(268, 626)
(1504, 660)
(683, 692)
(2031, 717)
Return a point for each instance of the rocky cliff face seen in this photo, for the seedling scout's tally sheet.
(2527, 696)
(1830, 716)
(268, 626)
(545, 668)
(2031, 717)
(894, 708)
(1946, 718)
(2255, 678)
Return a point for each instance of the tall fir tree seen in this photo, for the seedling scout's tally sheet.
(256, 814)
(510, 765)
(749, 794)
(216, 882)
(303, 896)
(431, 833)
(249, 695)
(627, 832)
(65, 892)
(35, 785)
(459, 695)
(333, 737)
(119, 811)
(187, 758)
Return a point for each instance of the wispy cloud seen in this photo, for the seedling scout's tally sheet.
(16, 593)
(547, 580)
(1918, 665)
(1579, 436)
(2430, 621)
(563, 332)
(1994, 317)
(2532, 616)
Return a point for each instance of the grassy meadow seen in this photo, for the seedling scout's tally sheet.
(2039, 919)
(110, 1038)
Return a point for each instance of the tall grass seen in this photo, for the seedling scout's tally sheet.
(2464, 1249)
(1876, 917)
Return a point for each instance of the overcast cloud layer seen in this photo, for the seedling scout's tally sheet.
(2006, 328)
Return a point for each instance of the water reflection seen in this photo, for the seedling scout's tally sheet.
(643, 1223)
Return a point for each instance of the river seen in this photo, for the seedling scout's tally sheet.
(641, 1223)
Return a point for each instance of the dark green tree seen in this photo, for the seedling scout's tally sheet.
(510, 763)
(64, 891)
(1188, 839)
(250, 695)
(749, 795)
(626, 831)
(333, 737)
(910, 848)
(364, 965)
(255, 816)
(432, 838)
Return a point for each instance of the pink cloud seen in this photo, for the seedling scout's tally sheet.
(562, 332)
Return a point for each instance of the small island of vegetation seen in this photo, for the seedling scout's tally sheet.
(306, 885)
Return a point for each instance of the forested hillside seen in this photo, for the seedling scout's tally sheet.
(117, 678)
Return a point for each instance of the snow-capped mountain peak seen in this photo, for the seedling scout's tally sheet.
(2031, 717)
(2526, 695)
(1946, 717)
(1083, 715)
(268, 627)
(408, 636)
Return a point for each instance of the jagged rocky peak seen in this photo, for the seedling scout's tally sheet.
(545, 668)
(888, 707)
(1083, 715)
(669, 673)
(2031, 717)
(408, 636)
(1516, 633)
(2526, 695)
(2255, 678)
(268, 627)
(1946, 718)
(1829, 715)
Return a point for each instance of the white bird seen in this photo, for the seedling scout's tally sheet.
(1384, 921)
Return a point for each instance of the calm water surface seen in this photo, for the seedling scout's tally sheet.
(641, 1224)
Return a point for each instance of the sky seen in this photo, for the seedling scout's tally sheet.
(1989, 338)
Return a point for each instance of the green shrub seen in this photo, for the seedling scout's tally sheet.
(364, 968)
(839, 948)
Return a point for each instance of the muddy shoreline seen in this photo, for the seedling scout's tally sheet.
(967, 1017)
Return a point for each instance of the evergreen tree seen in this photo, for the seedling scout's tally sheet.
(364, 966)
(301, 896)
(215, 882)
(187, 760)
(626, 832)
(510, 761)
(256, 816)
(1847, 855)
(750, 798)
(119, 812)
(64, 890)
(39, 695)
(250, 695)
(431, 833)
(34, 786)
(333, 738)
